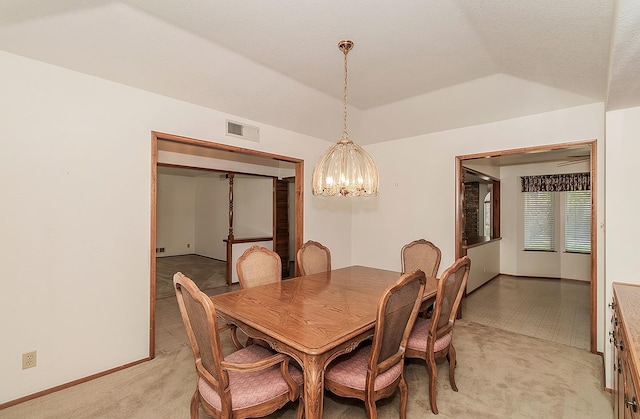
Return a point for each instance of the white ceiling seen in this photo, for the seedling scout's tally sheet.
(277, 62)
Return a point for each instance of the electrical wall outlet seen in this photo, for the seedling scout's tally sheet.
(29, 360)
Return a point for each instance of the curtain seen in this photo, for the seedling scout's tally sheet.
(556, 183)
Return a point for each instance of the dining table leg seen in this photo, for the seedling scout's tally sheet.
(313, 386)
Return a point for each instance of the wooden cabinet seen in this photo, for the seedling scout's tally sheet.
(630, 395)
(625, 337)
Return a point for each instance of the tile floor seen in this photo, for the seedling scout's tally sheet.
(550, 309)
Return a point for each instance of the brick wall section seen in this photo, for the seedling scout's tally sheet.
(471, 209)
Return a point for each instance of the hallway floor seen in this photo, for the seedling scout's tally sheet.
(551, 309)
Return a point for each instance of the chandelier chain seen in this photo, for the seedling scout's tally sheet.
(345, 134)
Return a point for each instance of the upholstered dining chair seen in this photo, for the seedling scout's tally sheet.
(313, 257)
(251, 382)
(421, 254)
(432, 338)
(375, 371)
(424, 255)
(258, 266)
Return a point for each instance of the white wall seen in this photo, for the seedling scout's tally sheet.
(253, 207)
(193, 213)
(211, 217)
(417, 185)
(514, 259)
(417, 182)
(623, 149)
(485, 264)
(76, 164)
(252, 212)
(175, 230)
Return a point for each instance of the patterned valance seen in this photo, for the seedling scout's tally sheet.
(556, 183)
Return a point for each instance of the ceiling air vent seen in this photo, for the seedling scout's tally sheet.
(248, 132)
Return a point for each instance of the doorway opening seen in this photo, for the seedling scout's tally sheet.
(565, 153)
(183, 152)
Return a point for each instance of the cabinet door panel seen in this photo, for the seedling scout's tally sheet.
(630, 400)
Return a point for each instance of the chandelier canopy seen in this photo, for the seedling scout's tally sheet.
(345, 169)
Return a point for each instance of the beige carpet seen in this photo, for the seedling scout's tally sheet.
(500, 374)
(206, 272)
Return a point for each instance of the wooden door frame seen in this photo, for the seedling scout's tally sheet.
(459, 251)
(164, 137)
(275, 226)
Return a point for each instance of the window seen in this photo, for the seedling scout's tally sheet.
(539, 221)
(487, 215)
(577, 228)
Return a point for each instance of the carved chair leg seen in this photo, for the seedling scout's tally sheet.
(452, 367)
(433, 377)
(300, 413)
(195, 401)
(372, 412)
(370, 404)
(404, 396)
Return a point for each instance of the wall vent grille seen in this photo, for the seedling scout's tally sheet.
(248, 132)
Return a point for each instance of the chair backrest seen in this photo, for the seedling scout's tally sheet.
(421, 254)
(313, 257)
(258, 266)
(200, 321)
(397, 311)
(451, 286)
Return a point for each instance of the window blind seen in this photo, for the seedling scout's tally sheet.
(577, 229)
(539, 221)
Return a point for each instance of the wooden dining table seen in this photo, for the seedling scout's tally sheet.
(312, 318)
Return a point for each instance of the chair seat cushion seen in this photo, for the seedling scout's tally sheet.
(251, 388)
(351, 370)
(418, 337)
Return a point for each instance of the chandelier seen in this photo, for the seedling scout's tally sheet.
(345, 169)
